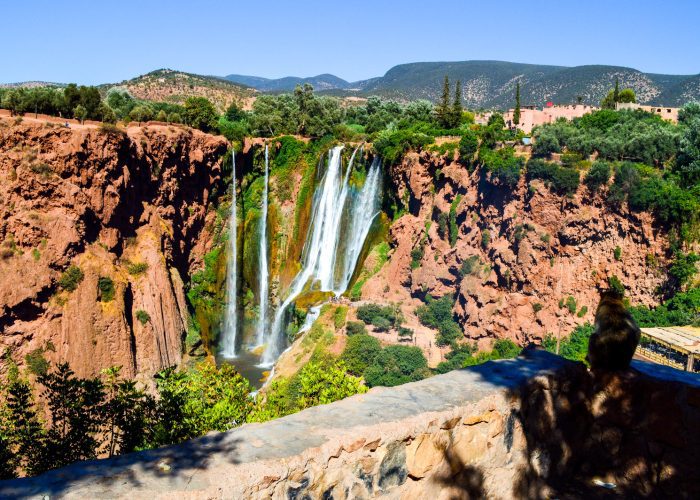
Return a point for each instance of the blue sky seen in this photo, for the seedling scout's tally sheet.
(98, 41)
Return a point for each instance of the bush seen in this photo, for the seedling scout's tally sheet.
(383, 318)
(355, 328)
(597, 176)
(360, 352)
(468, 146)
(454, 229)
(437, 313)
(582, 312)
(36, 362)
(485, 239)
(571, 304)
(561, 180)
(616, 285)
(143, 316)
(470, 265)
(417, 254)
(105, 286)
(683, 268)
(71, 278)
(503, 166)
(537, 307)
(396, 365)
(617, 253)
(137, 268)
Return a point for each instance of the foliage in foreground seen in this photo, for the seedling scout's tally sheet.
(105, 416)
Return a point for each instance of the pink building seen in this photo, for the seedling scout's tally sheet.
(664, 112)
(531, 117)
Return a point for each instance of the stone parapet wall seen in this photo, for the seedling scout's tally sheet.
(532, 427)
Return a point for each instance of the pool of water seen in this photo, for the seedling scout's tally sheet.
(246, 363)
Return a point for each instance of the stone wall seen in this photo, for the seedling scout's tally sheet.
(534, 427)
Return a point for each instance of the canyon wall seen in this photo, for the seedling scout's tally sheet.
(534, 427)
(517, 252)
(132, 206)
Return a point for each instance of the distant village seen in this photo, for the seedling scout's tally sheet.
(531, 116)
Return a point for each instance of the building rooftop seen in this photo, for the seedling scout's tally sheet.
(685, 339)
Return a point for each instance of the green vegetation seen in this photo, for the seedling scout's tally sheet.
(573, 347)
(437, 313)
(617, 253)
(380, 253)
(383, 318)
(105, 287)
(464, 355)
(503, 165)
(71, 278)
(320, 381)
(682, 309)
(137, 268)
(143, 316)
(598, 175)
(355, 328)
(89, 417)
(561, 180)
(616, 285)
(454, 228)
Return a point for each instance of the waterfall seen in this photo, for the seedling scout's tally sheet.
(341, 218)
(228, 344)
(262, 326)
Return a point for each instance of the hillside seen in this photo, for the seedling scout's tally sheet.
(491, 84)
(176, 86)
(319, 82)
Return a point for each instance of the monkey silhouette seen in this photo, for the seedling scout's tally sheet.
(616, 334)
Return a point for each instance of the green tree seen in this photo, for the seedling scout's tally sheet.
(616, 91)
(442, 110)
(360, 352)
(457, 109)
(516, 113)
(200, 113)
(322, 383)
(80, 113)
(468, 145)
(24, 434)
(397, 364)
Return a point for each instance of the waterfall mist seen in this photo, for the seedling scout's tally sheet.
(262, 329)
(230, 332)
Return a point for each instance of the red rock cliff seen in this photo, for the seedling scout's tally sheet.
(103, 201)
(541, 248)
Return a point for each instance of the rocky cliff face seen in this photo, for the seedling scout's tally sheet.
(127, 207)
(516, 253)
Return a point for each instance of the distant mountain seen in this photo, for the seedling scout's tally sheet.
(491, 84)
(319, 82)
(176, 86)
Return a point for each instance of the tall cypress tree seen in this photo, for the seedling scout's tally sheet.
(443, 108)
(516, 113)
(457, 105)
(616, 92)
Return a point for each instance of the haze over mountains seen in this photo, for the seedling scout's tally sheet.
(489, 84)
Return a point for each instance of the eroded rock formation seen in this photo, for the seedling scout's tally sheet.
(517, 253)
(131, 207)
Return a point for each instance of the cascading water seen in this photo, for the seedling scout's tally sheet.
(262, 326)
(340, 221)
(228, 345)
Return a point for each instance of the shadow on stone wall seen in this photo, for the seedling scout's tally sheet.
(123, 474)
(585, 433)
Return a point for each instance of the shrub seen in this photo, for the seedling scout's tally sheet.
(617, 253)
(36, 362)
(360, 352)
(683, 267)
(503, 165)
(395, 365)
(355, 328)
(36, 254)
(616, 285)
(417, 254)
(537, 307)
(571, 304)
(597, 176)
(470, 265)
(405, 332)
(71, 278)
(137, 268)
(485, 239)
(582, 312)
(339, 316)
(437, 313)
(454, 229)
(468, 146)
(143, 316)
(105, 286)
(561, 180)
(383, 318)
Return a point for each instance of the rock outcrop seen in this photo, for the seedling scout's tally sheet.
(517, 255)
(534, 427)
(126, 207)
